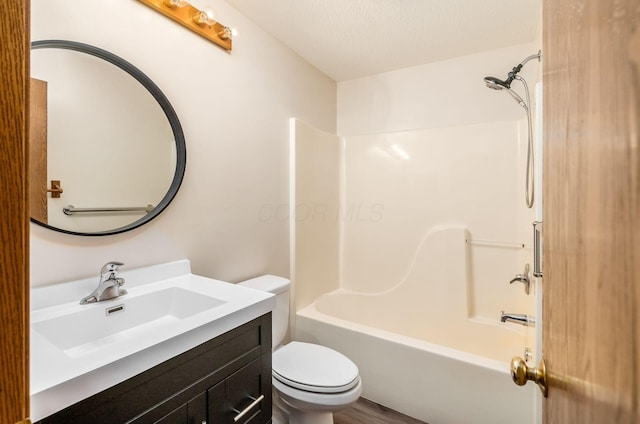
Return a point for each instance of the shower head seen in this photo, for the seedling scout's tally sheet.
(496, 83)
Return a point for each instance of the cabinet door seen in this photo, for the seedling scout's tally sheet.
(218, 408)
(242, 396)
(197, 410)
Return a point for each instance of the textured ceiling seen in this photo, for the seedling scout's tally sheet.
(348, 39)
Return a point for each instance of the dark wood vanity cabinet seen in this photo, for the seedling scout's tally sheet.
(212, 384)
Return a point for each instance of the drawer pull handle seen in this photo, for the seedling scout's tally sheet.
(246, 410)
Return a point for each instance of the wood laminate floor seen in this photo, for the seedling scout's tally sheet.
(366, 412)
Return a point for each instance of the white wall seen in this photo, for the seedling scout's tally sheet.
(234, 109)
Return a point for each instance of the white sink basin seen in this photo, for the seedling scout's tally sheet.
(80, 332)
(80, 350)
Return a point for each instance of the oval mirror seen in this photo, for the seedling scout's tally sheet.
(107, 151)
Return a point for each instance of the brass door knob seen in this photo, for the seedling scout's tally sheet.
(521, 373)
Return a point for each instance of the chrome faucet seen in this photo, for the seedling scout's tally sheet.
(109, 287)
(521, 319)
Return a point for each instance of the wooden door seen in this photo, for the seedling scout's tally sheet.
(591, 299)
(14, 213)
(38, 150)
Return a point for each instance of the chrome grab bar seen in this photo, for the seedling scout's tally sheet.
(492, 243)
(537, 248)
(71, 210)
(246, 410)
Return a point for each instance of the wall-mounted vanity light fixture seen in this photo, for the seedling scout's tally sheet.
(200, 21)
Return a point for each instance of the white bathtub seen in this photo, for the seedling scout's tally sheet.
(418, 350)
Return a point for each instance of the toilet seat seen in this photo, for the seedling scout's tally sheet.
(314, 368)
(310, 401)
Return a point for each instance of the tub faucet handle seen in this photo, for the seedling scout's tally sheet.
(524, 279)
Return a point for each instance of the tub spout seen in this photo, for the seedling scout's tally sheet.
(521, 319)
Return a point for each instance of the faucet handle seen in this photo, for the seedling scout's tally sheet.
(110, 268)
(523, 278)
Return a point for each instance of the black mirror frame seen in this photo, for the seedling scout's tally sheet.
(181, 150)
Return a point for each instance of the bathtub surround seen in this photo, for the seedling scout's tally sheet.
(463, 175)
(315, 208)
(423, 329)
(435, 290)
(412, 290)
(433, 146)
(432, 227)
(234, 109)
(396, 188)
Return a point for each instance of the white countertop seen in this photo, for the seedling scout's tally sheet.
(59, 379)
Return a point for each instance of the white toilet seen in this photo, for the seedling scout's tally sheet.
(310, 381)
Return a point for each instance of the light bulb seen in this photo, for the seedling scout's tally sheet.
(204, 17)
(175, 3)
(228, 32)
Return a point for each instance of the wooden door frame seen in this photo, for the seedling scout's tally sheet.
(14, 212)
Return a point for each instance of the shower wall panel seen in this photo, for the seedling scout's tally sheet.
(398, 187)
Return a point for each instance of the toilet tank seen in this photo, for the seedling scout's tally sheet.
(280, 316)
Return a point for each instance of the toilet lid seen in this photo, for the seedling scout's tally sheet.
(314, 368)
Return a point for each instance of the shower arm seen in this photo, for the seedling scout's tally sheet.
(514, 72)
(533, 56)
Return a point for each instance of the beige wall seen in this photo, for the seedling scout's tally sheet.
(234, 109)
